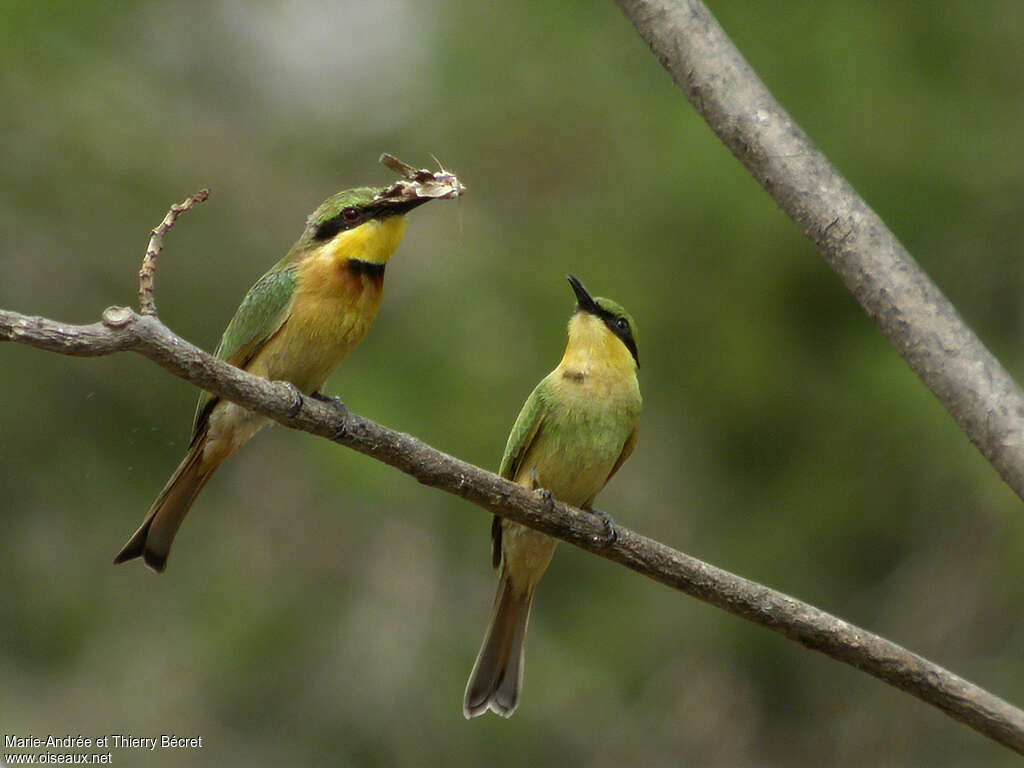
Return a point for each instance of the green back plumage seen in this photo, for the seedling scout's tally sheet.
(524, 431)
(261, 313)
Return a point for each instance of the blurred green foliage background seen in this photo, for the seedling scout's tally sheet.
(322, 609)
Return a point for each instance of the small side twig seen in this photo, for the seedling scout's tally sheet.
(147, 304)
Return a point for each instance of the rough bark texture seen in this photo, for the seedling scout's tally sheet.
(905, 304)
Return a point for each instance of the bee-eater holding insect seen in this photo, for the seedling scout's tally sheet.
(296, 324)
(576, 429)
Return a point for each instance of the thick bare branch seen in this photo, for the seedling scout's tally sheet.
(905, 304)
(123, 329)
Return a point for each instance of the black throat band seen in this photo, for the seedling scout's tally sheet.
(368, 268)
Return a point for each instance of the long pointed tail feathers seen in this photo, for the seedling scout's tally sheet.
(152, 541)
(497, 675)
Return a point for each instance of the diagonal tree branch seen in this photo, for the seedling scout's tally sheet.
(905, 304)
(125, 330)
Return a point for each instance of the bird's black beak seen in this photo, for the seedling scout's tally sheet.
(385, 207)
(584, 300)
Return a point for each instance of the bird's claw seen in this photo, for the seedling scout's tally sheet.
(342, 411)
(545, 494)
(296, 395)
(337, 402)
(610, 535)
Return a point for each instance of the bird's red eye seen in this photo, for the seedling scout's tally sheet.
(350, 214)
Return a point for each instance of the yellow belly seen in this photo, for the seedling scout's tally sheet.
(332, 311)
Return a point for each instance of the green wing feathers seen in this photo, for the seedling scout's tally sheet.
(627, 451)
(261, 313)
(524, 431)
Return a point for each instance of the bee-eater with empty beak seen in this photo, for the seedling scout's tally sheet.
(297, 324)
(574, 432)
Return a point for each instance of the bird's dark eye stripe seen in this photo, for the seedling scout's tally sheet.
(327, 229)
(616, 325)
(620, 327)
(611, 319)
(338, 223)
